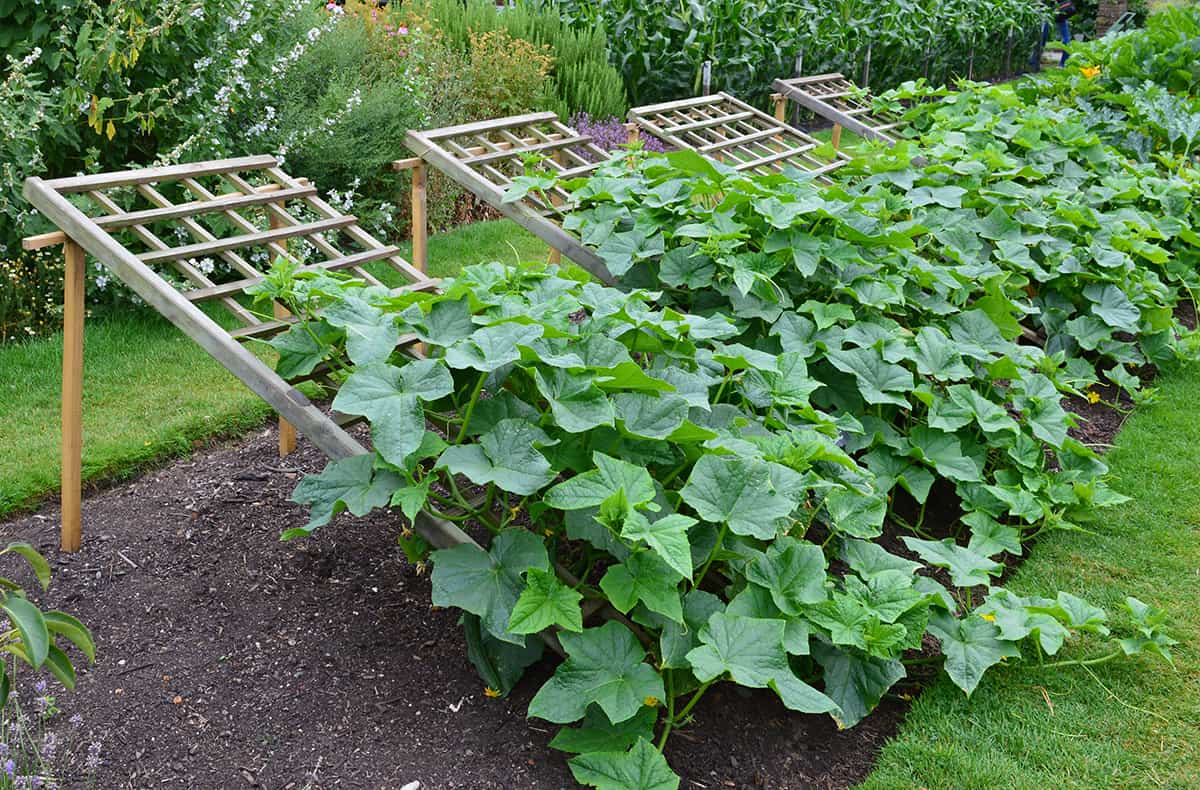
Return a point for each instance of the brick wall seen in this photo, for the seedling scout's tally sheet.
(1107, 13)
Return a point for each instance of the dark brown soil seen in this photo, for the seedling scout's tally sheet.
(230, 659)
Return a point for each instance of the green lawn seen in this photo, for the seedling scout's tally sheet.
(150, 393)
(1132, 723)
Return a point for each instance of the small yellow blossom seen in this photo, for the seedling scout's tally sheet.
(991, 618)
(491, 693)
(1090, 72)
(650, 702)
(548, 532)
(1093, 397)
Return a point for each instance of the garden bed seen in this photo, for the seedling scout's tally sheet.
(230, 659)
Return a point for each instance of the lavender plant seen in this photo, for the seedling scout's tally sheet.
(611, 134)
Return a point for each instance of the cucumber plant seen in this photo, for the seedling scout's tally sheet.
(689, 480)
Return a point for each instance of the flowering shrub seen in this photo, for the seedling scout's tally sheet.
(503, 75)
(28, 749)
(38, 752)
(611, 134)
(95, 85)
(581, 78)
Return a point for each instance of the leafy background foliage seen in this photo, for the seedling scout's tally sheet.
(660, 48)
(104, 86)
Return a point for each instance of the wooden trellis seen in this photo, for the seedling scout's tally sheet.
(735, 133)
(484, 157)
(243, 212)
(835, 98)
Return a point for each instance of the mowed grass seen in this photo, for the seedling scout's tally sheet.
(150, 393)
(1130, 723)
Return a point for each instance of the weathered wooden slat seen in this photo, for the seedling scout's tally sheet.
(217, 204)
(201, 249)
(291, 404)
(708, 123)
(679, 104)
(817, 104)
(190, 272)
(152, 174)
(787, 153)
(356, 234)
(203, 234)
(734, 141)
(487, 126)
(278, 216)
(523, 215)
(192, 321)
(834, 75)
(512, 151)
(345, 262)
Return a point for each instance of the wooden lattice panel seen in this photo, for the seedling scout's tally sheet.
(731, 131)
(496, 151)
(484, 157)
(835, 98)
(160, 231)
(217, 226)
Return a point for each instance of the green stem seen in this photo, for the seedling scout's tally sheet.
(483, 518)
(1081, 662)
(721, 389)
(488, 501)
(666, 481)
(712, 556)
(459, 519)
(666, 732)
(462, 431)
(692, 702)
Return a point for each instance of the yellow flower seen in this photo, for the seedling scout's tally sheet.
(1090, 72)
(650, 702)
(491, 693)
(1093, 397)
(991, 618)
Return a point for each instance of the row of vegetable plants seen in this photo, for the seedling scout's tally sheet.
(797, 446)
(661, 48)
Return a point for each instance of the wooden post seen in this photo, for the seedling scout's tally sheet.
(837, 137)
(420, 222)
(555, 257)
(287, 431)
(780, 106)
(632, 135)
(72, 396)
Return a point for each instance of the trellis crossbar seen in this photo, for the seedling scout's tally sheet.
(110, 214)
(837, 99)
(484, 157)
(730, 131)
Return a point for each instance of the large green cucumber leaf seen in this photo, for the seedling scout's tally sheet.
(488, 583)
(641, 768)
(506, 455)
(971, 646)
(604, 665)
